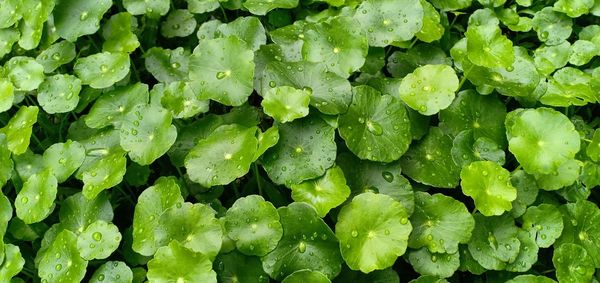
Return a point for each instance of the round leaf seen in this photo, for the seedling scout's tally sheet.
(490, 187)
(12, 264)
(429, 88)
(74, 18)
(64, 158)
(19, 128)
(307, 243)
(99, 240)
(25, 73)
(435, 264)
(253, 224)
(373, 231)
(573, 263)
(494, 242)
(56, 55)
(61, 261)
(486, 45)
(236, 267)
(35, 201)
(376, 127)
(259, 7)
(153, 8)
(552, 27)
(77, 212)
(440, 223)
(323, 193)
(59, 93)
(285, 103)
(167, 65)
(112, 271)
(179, 23)
(306, 275)
(113, 106)
(175, 263)
(528, 253)
(306, 149)
(579, 227)
(102, 70)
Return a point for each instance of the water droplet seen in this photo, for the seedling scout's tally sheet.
(387, 232)
(375, 128)
(58, 267)
(97, 236)
(24, 200)
(404, 220)
(389, 177)
(101, 277)
(56, 56)
(361, 120)
(354, 233)
(83, 16)
(175, 65)
(301, 247)
(62, 161)
(175, 26)
(272, 84)
(103, 68)
(433, 258)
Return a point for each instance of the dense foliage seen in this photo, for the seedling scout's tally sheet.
(299, 141)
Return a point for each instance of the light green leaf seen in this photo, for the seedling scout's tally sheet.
(387, 275)
(544, 222)
(215, 160)
(323, 193)
(494, 242)
(306, 275)
(202, 6)
(440, 223)
(248, 29)
(552, 27)
(466, 150)
(6, 94)
(99, 240)
(582, 52)
(105, 173)
(234, 266)
(569, 86)
(56, 55)
(373, 231)
(260, 7)
(147, 133)
(167, 65)
(486, 45)
(434, 264)
(64, 159)
(432, 29)
(153, 8)
(192, 225)
(593, 148)
(285, 103)
(35, 13)
(112, 271)
(9, 13)
(152, 203)
(118, 35)
(59, 93)
(77, 212)
(573, 263)
(9, 36)
(430, 161)
(429, 89)
(223, 69)
(389, 21)
(61, 261)
(6, 162)
(574, 8)
(306, 149)
(579, 227)
(330, 93)
(102, 70)
(25, 73)
(527, 191)
(566, 174)
(36, 200)
(175, 263)
(112, 107)
(376, 127)
(19, 128)
(541, 139)
(179, 98)
(12, 264)
(529, 278)
(253, 224)
(75, 18)
(549, 58)
(490, 187)
(179, 23)
(528, 253)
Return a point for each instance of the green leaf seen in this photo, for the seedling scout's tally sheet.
(483, 115)
(569, 86)
(430, 161)
(215, 160)
(552, 27)
(248, 29)
(179, 23)
(192, 225)
(106, 172)
(429, 89)
(582, 52)
(151, 204)
(9, 36)
(227, 80)
(35, 13)
(64, 159)
(440, 223)
(574, 8)
(527, 191)
(490, 187)
(235, 266)
(167, 65)
(12, 264)
(566, 174)
(389, 21)
(285, 103)
(77, 212)
(340, 43)
(528, 253)
(400, 64)
(323, 193)
(466, 150)
(9, 13)
(6, 95)
(113, 107)
(112, 271)
(375, 127)
(266, 140)
(36, 200)
(386, 275)
(179, 98)
(25, 73)
(579, 227)
(541, 139)
(494, 242)
(529, 278)
(74, 18)
(6, 163)
(544, 222)
(153, 8)
(573, 263)
(202, 6)
(432, 29)
(373, 232)
(59, 93)
(147, 133)
(118, 35)
(330, 93)
(306, 275)
(99, 240)
(174, 263)
(253, 224)
(549, 58)
(486, 45)
(306, 149)
(19, 128)
(435, 264)
(593, 148)
(56, 55)
(384, 178)
(307, 243)
(61, 261)
(259, 7)
(102, 70)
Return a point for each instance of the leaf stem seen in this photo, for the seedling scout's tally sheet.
(224, 14)
(587, 140)
(257, 177)
(464, 78)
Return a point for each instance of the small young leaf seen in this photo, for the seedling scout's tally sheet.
(489, 186)
(323, 193)
(429, 88)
